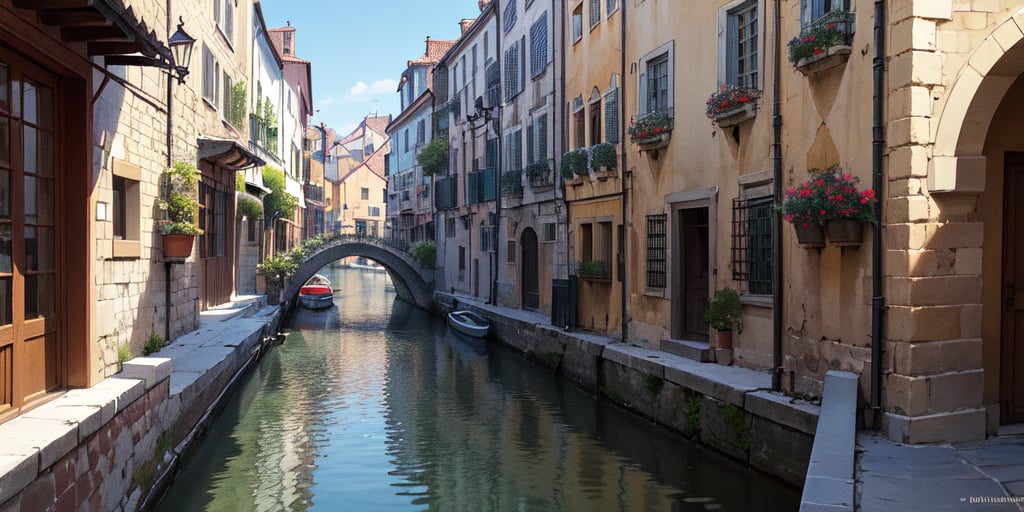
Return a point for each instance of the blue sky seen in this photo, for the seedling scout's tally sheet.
(359, 49)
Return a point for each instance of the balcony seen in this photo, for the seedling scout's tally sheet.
(263, 134)
(512, 183)
(652, 130)
(823, 44)
(447, 193)
(313, 193)
(540, 174)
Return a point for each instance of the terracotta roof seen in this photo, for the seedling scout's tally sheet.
(379, 124)
(435, 50)
(375, 163)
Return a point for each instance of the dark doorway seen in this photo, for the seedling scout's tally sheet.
(530, 271)
(692, 269)
(1012, 353)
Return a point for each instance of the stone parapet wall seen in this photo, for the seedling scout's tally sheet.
(105, 448)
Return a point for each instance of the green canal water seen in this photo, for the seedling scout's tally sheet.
(374, 405)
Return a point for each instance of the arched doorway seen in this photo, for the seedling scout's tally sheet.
(530, 273)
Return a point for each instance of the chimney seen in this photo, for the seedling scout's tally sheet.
(483, 3)
(465, 24)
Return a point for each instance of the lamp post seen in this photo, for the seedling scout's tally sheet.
(181, 53)
(489, 115)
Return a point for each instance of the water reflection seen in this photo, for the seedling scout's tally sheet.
(373, 405)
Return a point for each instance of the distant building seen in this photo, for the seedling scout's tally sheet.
(410, 192)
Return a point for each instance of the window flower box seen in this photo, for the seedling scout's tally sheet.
(732, 105)
(823, 44)
(652, 130)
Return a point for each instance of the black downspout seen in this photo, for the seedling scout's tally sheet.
(167, 264)
(622, 181)
(777, 364)
(497, 168)
(877, 154)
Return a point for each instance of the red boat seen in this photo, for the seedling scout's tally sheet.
(316, 293)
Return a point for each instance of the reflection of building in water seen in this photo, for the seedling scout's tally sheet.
(438, 396)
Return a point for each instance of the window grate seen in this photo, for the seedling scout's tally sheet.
(656, 250)
(752, 244)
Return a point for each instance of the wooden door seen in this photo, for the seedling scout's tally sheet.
(1012, 353)
(216, 244)
(531, 270)
(694, 268)
(29, 353)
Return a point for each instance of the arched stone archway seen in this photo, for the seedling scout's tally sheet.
(412, 283)
(958, 163)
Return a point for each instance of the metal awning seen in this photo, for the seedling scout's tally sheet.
(228, 154)
(107, 27)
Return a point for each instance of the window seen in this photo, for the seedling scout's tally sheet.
(741, 66)
(811, 10)
(364, 193)
(514, 146)
(656, 80)
(224, 16)
(449, 227)
(550, 232)
(509, 16)
(611, 7)
(373, 211)
(225, 98)
(488, 240)
(657, 84)
(211, 75)
(126, 209)
(656, 251)
(287, 37)
(510, 251)
(513, 76)
(595, 13)
(595, 123)
(580, 124)
(421, 132)
(405, 133)
(752, 243)
(577, 23)
(538, 140)
(539, 45)
(611, 116)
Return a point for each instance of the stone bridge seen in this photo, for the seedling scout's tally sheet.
(413, 283)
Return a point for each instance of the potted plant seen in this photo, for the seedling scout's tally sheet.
(723, 313)
(181, 210)
(603, 158)
(829, 199)
(275, 269)
(574, 163)
(829, 35)
(652, 130)
(592, 270)
(731, 105)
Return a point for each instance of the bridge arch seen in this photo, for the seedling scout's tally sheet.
(412, 283)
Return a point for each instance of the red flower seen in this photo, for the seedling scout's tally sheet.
(818, 51)
(658, 130)
(831, 26)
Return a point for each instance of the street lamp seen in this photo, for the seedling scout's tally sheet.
(181, 46)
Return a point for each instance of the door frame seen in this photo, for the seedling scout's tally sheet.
(523, 274)
(675, 204)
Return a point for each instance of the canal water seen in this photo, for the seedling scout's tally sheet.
(374, 405)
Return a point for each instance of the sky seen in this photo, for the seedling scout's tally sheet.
(359, 49)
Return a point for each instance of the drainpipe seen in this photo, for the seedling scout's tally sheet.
(497, 169)
(877, 153)
(777, 358)
(622, 181)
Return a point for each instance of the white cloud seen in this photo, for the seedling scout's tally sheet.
(362, 92)
(326, 102)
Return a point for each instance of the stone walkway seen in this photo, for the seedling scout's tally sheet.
(979, 475)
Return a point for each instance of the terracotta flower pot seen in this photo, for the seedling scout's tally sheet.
(724, 339)
(178, 246)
